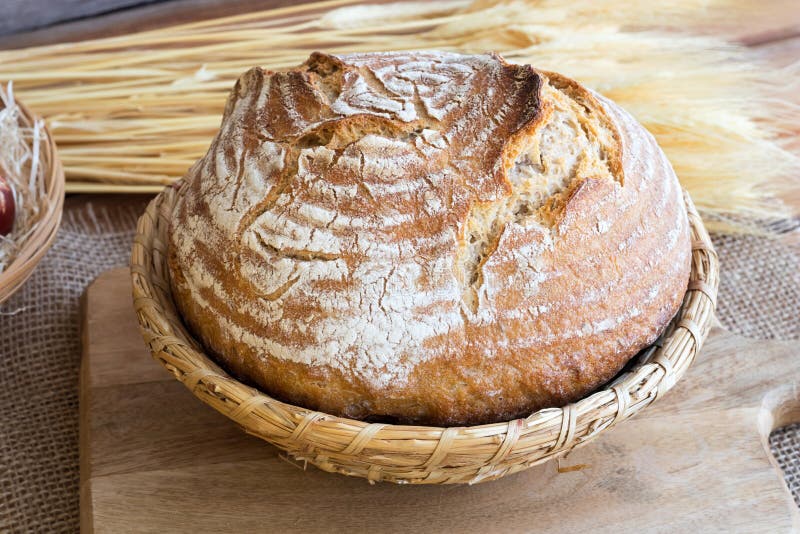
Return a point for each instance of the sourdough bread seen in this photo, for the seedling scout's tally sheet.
(427, 237)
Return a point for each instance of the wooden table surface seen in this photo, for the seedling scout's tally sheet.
(695, 459)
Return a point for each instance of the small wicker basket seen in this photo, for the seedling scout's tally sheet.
(415, 454)
(42, 237)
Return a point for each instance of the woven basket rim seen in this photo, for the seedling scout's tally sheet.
(37, 244)
(414, 453)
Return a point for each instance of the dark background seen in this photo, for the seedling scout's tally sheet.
(33, 22)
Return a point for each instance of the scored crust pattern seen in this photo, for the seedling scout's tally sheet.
(427, 237)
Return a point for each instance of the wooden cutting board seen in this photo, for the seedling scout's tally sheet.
(155, 459)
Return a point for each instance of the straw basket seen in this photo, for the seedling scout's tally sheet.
(415, 454)
(42, 237)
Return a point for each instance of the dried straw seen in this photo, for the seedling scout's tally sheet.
(136, 111)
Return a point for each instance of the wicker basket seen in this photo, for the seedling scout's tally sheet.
(42, 237)
(415, 454)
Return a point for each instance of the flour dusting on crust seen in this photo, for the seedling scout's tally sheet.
(372, 213)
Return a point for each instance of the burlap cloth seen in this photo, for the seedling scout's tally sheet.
(40, 358)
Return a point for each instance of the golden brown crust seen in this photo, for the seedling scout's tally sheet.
(426, 237)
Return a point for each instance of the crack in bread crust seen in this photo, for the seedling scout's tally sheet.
(428, 237)
(541, 181)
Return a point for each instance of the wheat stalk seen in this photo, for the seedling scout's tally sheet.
(132, 113)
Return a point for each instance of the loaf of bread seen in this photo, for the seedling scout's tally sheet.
(427, 237)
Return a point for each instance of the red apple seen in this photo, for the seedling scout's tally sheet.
(7, 208)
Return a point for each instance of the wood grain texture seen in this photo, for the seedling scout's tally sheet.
(154, 459)
(144, 17)
(21, 15)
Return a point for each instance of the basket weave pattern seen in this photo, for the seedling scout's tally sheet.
(42, 237)
(404, 453)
